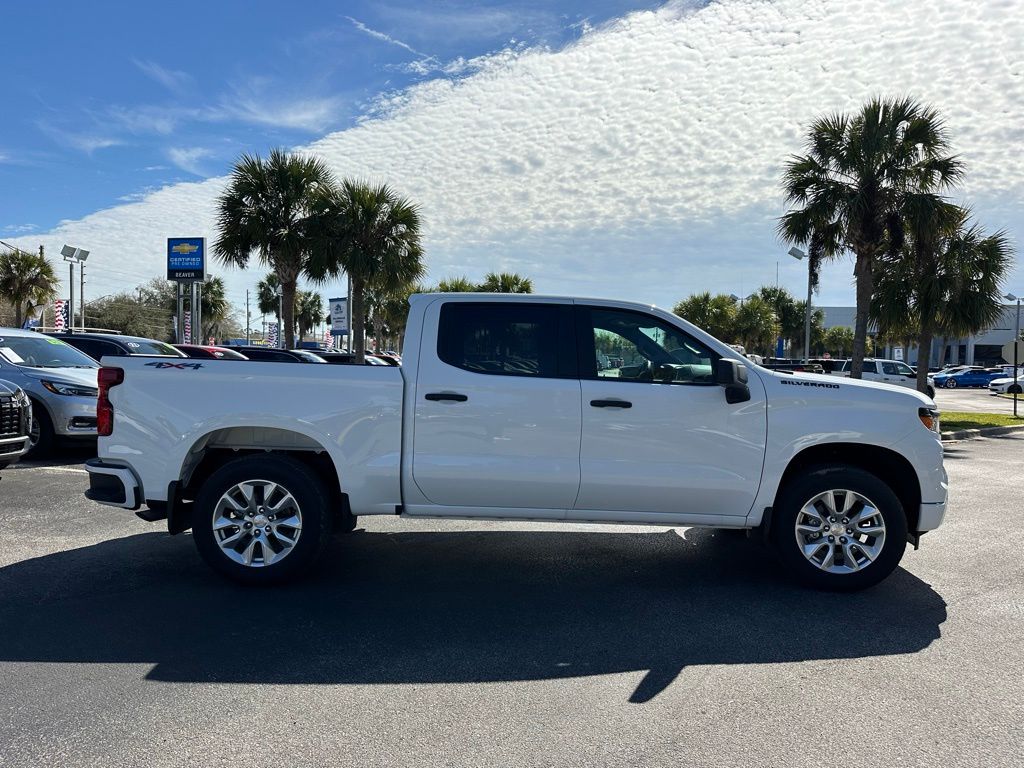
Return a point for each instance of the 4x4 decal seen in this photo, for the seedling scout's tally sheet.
(181, 366)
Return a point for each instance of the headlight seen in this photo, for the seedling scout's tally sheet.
(930, 418)
(59, 388)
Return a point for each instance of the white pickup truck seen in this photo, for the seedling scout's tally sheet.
(501, 411)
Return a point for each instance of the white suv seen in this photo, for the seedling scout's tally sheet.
(888, 371)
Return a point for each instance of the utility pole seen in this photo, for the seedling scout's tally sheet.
(247, 317)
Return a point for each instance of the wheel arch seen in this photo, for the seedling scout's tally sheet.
(889, 466)
(220, 446)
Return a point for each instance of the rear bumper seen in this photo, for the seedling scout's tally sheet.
(113, 484)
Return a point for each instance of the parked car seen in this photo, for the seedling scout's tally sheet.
(886, 371)
(968, 378)
(1008, 383)
(100, 345)
(59, 380)
(15, 423)
(499, 412)
(206, 352)
(275, 355)
(349, 358)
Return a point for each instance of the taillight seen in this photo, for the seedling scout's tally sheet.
(107, 378)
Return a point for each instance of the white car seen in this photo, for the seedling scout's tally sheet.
(500, 412)
(886, 371)
(1009, 385)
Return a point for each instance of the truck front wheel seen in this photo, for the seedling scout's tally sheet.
(262, 519)
(839, 528)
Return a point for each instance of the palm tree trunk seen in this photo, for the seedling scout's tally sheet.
(288, 310)
(924, 357)
(865, 287)
(359, 319)
(17, 313)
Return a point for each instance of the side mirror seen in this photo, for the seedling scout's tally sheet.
(732, 376)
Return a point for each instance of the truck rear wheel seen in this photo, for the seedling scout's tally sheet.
(262, 519)
(839, 528)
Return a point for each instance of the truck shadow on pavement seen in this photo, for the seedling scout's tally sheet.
(458, 607)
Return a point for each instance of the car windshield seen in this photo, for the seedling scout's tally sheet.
(150, 347)
(43, 352)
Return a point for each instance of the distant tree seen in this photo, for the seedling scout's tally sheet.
(851, 185)
(131, 313)
(505, 282)
(838, 341)
(27, 281)
(755, 326)
(456, 285)
(214, 307)
(276, 208)
(309, 309)
(714, 314)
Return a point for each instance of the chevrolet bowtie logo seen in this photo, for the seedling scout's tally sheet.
(185, 248)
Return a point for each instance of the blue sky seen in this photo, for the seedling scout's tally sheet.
(127, 97)
(605, 148)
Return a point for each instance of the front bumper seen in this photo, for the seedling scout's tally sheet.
(73, 416)
(113, 484)
(13, 448)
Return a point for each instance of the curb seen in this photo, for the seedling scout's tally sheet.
(970, 434)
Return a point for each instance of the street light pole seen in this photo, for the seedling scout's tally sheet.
(796, 253)
(280, 314)
(1016, 347)
(72, 256)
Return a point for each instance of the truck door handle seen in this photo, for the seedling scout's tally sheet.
(611, 403)
(455, 397)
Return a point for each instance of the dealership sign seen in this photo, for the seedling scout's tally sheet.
(186, 258)
(339, 317)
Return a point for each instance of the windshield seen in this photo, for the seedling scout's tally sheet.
(43, 352)
(150, 347)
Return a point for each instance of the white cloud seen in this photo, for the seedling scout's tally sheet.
(376, 35)
(254, 102)
(643, 160)
(172, 79)
(188, 158)
(83, 141)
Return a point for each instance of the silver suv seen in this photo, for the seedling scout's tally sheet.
(58, 379)
(15, 418)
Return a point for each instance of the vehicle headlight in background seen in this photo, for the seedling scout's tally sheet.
(72, 390)
(930, 418)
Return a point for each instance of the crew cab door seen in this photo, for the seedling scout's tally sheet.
(497, 409)
(658, 434)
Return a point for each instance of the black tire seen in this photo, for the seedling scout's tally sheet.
(296, 478)
(1013, 389)
(931, 392)
(950, 383)
(42, 446)
(805, 487)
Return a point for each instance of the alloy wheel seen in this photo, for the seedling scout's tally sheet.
(257, 523)
(840, 531)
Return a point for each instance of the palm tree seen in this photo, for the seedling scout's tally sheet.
(27, 280)
(374, 237)
(276, 208)
(457, 285)
(214, 306)
(756, 326)
(945, 281)
(309, 311)
(714, 314)
(838, 340)
(851, 185)
(266, 295)
(506, 282)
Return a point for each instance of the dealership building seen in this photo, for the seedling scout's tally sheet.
(982, 348)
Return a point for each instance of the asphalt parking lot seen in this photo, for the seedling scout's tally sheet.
(975, 401)
(480, 644)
